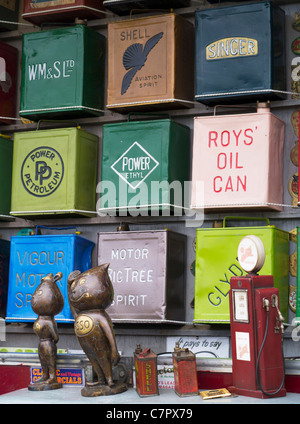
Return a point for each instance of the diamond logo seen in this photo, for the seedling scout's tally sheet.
(135, 165)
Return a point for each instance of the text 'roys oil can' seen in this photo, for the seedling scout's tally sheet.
(140, 161)
(240, 160)
(44, 11)
(147, 270)
(8, 82)
(67, 64)
(9, 12)
(124, 7)
(54, 172)
(216, 263)
(31, 258)
(240, 53)
(185, 372)
(6, 157)
(150, 63)
(146, 378)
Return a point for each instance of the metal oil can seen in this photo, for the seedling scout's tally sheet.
(9, 11)
(8, 82)
(136, 155)
(150, 63)
(123, 7)
(62, 63)
(146, 377)
(148, 287)
(41, 11)
(6, 157)
(240, 53)
(185, 372)
(54, 172)
(31, 258)
(234, 155)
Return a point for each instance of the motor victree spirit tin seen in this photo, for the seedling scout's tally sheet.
(147, 270)
(43, 11)
(240, 53)
(8, 82)
(240, 160)
(124, 7)
(150, 62)
(6, 157)
(54, 172)
(68, 64)
(185, 372)
(146, 378)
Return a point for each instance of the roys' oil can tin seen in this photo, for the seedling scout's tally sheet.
(9, 12)
(43, 11)
(54, 172)
(240, 53)
(147, 270)
(146, 372)
(185, 372)
(123, 7)
(68, 64)
(6, 157)
(33, 257)
(8, 82)
(143, 159)
(234, 155)
(150, 63)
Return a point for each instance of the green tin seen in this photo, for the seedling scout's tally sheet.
(68, 65)
(6, 155)
(216, 263)
(141, 162)
(54, 172)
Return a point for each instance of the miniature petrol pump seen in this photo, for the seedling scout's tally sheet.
(185, 372)
(256, 327)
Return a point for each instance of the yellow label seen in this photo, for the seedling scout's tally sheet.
(231, 47)
(83, 325)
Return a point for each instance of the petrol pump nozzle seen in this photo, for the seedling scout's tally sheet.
(266, 304)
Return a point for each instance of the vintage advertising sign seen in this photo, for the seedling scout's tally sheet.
(239, 158)
(67, 376)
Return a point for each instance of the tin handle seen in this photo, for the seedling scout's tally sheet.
(245, 218)
(54, 228)
(162, 115)
(56, 121)
(234, 106)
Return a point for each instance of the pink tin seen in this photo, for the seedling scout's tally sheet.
(239, 160)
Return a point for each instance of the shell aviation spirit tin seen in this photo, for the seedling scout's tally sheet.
(54, 172)
(9, 11)
(123, 7)
(6, 157)
(217, 262)
(8, 82)
(68, 64)
(240, 160)
(33, 257)
(42, 11)
(142, 159)
(147, 270)
(150, 63)
(240, 53)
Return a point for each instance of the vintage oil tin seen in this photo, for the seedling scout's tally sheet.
(6, 156)
(146, 377)
(185, 372)
(42, 11)
(216, 263)
(124, 7)
(240, 53)
(31, 258)
(234, 155)
(147, 270)
(138, 155)
(150, 63)
(9, 11)
(8, 82)
(54, 172)
(68, 64)
(4, 274)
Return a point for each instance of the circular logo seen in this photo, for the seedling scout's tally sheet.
(42, 171)
(296, 46)
(83, 325)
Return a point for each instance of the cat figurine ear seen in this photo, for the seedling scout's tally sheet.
(89, 294)
(47, 301)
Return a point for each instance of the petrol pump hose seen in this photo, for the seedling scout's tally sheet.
(267, 306)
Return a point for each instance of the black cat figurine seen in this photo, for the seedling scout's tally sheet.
(47, 301)
(89, 294)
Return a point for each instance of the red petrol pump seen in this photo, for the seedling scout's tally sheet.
(256, 327)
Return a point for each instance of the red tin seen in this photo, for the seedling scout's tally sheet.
(8, 82)
(185, 372)
(43, 11)
(146, 372)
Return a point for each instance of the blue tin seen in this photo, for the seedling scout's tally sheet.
(240, 53)
(31, 258)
